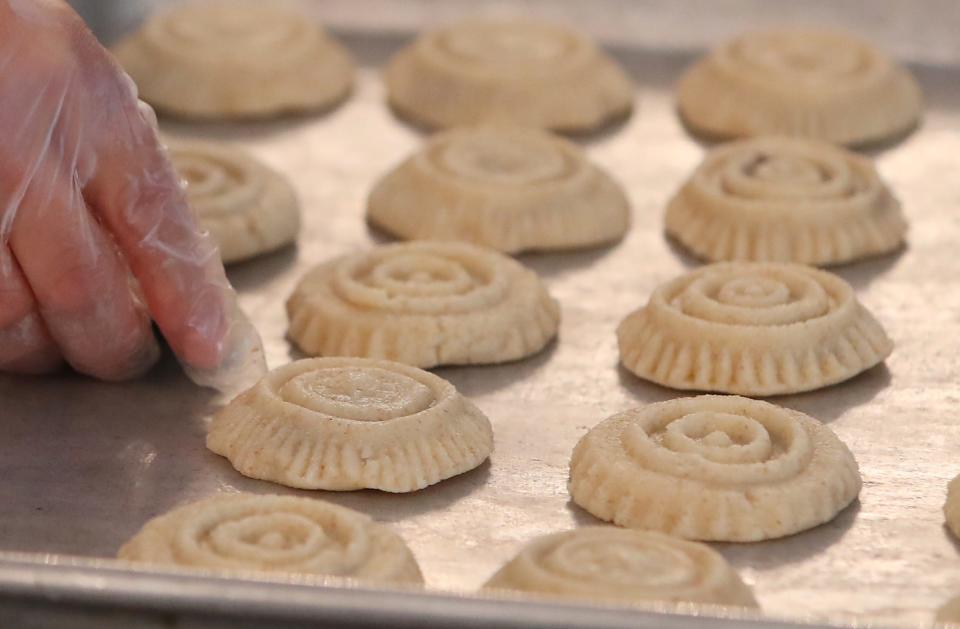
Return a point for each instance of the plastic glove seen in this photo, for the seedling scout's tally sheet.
(95, 232)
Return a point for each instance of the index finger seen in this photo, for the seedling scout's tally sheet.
(178, 267)
(137, 194)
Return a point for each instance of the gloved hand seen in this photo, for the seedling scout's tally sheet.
(95, 233)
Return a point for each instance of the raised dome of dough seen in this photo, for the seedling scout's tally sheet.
(718, 468)
(753, 329)
(235, 59)
(351, 423)
(523, 71)
(243, 532)
(504, 187)
(601, 563)
(813, 83)
(248, 208)
(423, 303)
(781, 199)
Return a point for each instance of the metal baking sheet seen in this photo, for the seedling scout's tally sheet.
(85, 464)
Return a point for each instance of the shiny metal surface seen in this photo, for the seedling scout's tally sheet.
(93, 594)
(84, 464)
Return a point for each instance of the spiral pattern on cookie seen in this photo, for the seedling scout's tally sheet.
(513, 45)
(783, 170)
(214, 31)
(756, 295)
(358, 393)
(351, 423)
(799, 82)
(290, 535)
(613, 564)
(721, 468)
(706, 441)
(422, 278)
(423, 303)
(518, 159)
(753, 329)
(807, 58)
(522, 71)
(621, 561)
(218, 183)
(786, 200)
(273, 533)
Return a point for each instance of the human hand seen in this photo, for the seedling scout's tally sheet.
(96, 237)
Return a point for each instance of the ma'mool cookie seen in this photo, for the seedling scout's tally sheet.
(622, 566)
(531, 73)
(247, 207)
(276, 534)
(425, 304)
(950, 612)
(719, 468)
(785, 200)
(214, 58)
(351, 423)
(819, 84)
(504, 187)
(951, 509)
(753, 329)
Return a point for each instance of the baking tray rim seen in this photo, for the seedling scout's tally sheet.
(66, 581)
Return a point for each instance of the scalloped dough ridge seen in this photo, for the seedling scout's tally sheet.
(717, 468)
(503, 187)
(423, 303)
(753, 329)
(782, 199)
(813, 83)
(605, 564)
(213, 59)
(351, 423)
(523, 71)
(244, 532)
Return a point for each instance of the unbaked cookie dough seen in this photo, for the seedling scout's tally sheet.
(248, 208)
(606, 564)
(753, 329)
(503, 187)
(235, 59)
(814, 83)
(717, 468)
(950, 612)
(786, 200)
(517, 70)
(951, 508)
(351, 423)
(425, 304)
(242, 532)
